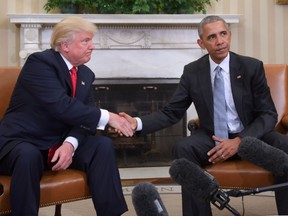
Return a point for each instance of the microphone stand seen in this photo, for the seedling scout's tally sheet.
(220, 199)
(238, 193)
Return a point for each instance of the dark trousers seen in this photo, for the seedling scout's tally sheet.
(25, 164)
(195, 148)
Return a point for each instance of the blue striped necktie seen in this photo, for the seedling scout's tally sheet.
(220, 117)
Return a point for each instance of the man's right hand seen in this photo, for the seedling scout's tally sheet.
(121, 124)
(130, 119)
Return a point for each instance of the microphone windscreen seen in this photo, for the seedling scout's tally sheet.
(146, 200)
(193, 178)
(260, 153)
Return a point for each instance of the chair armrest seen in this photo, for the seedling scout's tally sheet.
(284, 121)
(193, 125)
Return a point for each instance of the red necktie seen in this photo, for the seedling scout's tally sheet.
(52, 149)
(51, 153)
(73, 72)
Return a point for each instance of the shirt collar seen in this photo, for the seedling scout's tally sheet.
(224, 64)
(69, 65)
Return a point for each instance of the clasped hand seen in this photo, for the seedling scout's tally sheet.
(123, 124)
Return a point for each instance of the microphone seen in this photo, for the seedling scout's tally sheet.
(194, 179)
(260, 153)
(200, 183)
(146, 200)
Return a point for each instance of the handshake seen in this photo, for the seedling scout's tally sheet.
(123, 124)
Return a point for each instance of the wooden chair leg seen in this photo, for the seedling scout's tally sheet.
(58, 210)
(1, 189)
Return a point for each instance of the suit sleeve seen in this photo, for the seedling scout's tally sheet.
(259, 112)
(171, 113)
(47, 84)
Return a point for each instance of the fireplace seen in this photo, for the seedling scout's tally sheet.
(139, 97)
(149, 49)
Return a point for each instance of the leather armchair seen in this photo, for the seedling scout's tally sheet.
(56, 187)
(243, 174)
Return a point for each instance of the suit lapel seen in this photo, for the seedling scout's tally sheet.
(64, 72)
(206, 89)
(81, 82)
(236, 79)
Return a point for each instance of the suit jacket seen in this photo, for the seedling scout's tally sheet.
(250, 92)
(42, 110)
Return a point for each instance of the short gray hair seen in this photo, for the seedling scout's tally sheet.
(210, 19)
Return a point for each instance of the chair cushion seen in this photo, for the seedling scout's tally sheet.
(240, 174)
(56, 187)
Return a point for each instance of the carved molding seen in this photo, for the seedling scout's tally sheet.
(124, 38)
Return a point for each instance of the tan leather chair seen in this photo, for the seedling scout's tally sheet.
(56, 187)
(243, 174)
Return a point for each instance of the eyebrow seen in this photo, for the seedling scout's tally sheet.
(210, 36)
(214, 34)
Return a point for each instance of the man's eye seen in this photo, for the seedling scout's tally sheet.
(85, 41)
(223, 33)
(211, 37)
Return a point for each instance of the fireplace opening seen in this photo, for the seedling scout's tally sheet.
(139, 97)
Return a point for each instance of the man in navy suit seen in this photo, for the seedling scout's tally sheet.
(249, 109)
(43, 113)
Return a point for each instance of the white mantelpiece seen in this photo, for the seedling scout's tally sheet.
(126, 45)
(133, 46)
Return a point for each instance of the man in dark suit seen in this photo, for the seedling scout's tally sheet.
(46, 109)
(249, 109)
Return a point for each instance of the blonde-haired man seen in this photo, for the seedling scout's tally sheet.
(48, 108)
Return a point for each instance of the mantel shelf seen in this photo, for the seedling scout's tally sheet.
(188, 19)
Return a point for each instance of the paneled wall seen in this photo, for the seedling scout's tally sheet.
(261, 33)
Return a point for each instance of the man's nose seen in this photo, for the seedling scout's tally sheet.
(92, 46)
(219, 39)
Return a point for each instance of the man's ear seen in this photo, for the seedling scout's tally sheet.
(200, 43)
(64, 46)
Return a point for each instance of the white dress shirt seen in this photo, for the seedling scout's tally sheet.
(233, 121)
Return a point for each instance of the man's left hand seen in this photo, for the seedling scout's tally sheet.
(63, 157)
(224, 150)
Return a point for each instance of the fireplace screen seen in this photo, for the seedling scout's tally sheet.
(138, 98)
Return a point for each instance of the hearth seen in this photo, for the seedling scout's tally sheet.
(139, 97)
